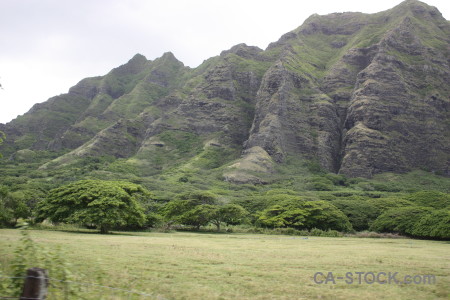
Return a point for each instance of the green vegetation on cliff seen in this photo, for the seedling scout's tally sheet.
(348, 108)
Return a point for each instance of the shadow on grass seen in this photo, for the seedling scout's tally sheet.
(91, 231)
(202, 231)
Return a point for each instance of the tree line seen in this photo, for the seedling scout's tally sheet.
(109, 205)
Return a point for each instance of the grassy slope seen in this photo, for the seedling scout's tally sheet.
(234, 266)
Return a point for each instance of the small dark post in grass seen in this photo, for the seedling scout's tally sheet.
(36, 284)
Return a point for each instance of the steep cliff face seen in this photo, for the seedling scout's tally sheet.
(69, 120)
(361, 94)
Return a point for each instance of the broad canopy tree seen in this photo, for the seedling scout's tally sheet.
(229, 214)
(200, 208)
(304, 215)
(106, 204)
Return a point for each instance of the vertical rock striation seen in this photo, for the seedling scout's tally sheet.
(360, 94)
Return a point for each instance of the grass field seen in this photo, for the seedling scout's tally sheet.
(242, 266)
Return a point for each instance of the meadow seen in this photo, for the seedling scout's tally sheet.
(186, 265)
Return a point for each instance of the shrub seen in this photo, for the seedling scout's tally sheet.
(304, 215)
(384, 204)
(257, 203)
(430, 199)
(324, 215)
(337, 179)
(314, 167)
(399, 220)
(199, 197)
(435, 224)
(282, 216)
(153, 219)
(386, 187)
(319, 183)
(360, 213)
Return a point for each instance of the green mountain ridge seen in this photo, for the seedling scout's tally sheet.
(357, 94)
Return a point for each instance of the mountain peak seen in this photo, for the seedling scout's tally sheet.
(138, 56)
(242, 50)
(360, 94)
(418, 8)
(135, 65)
(168, 58)
(169, 55)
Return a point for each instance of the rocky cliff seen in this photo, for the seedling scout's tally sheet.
(361, 94)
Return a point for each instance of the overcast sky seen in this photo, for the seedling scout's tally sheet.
(47, 46)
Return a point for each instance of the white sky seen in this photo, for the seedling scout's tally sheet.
(47, 46)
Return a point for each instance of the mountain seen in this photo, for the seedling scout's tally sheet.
(357, 94)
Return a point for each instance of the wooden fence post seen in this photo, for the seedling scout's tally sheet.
(36, 284)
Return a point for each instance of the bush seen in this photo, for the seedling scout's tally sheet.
(320, 184)
(384, 204)
(314, 167)
(324, 215)
(304, 215)
(282, 216)
(199, 197)
(337, 179)
(386, 187)
(435, 224)
(433, 199)
(360, 213)
(257, 203)
(153, 219)
(399, 220)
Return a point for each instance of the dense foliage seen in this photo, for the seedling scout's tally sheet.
(305, 215)
(105, 204)
(433, 199)
(12, 207)
(210, 145)
(195, 196)
(2, 137)
(415, 221)
(435, 224)
(399, 220)
(425, 214)
(200, 208)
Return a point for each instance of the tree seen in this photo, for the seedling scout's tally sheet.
(282, 216)
(230, 214)
(382, 205)
(400, 220)
(324, 215)
(435, 224)
(174, 209)
(105, 204)
(360, 213)
(305, 215)
(191, 208)
(199, 197)
(200, 215)
(12, 207)
(437, 200)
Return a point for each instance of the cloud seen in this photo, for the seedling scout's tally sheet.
(47, 46)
